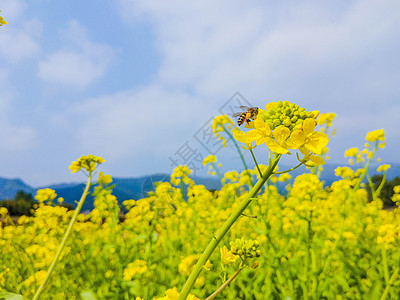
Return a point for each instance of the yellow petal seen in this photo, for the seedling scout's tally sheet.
(308, 126)
(253, 135)
(275, 147)
(281, 133)
(317, 142)
(259, 123)
(240, 136)
(317, 160)
(296, 139)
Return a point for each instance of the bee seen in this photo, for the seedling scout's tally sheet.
(250, 113)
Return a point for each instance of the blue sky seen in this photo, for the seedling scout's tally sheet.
(136, 81)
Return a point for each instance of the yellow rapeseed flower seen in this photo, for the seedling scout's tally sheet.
(227, 256)
(46, 194)
(137, 267)
(243, 138)
(209, 159)
(326, 118)
(383, 168)
(187, 264)
(351, 152)
(2, 22)
(219, 124)
(104, 179)
(172, 294)
(376, 135)
(87, 162)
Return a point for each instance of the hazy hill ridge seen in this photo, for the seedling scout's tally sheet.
(137, 187)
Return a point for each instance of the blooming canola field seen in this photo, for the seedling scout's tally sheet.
(244, 241)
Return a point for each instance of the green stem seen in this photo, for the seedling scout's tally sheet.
(385, 265)
(226, 283)
(240, 153)
(216, 170)
(392, 279)
(371, 187)
(365, 170)
(287, 171)
(66, 236)
(255, 161)
(225, 228)
(379, 189)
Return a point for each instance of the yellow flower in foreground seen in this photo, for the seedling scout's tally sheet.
(243, 138)
(262, 133)
(227, 256)
(314, 141)
(278, 144)
(308, 141)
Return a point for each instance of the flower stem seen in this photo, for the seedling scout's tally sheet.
(240, 153)
(365, 169)
(226, 283)
(225, 228)
(255, 161)
(66, 236)
(216, 171)
(389, 284)
(291, 169)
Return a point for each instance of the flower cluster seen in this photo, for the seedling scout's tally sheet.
(284, 126)
(220, 124)
(137, 267)
(87, 162)
(305, 236)
(227, 256)
(245, 248)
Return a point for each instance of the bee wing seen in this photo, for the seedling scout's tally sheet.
(237, 114)
(242, 107)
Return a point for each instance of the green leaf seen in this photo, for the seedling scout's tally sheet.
(88, 295)
(10, 296)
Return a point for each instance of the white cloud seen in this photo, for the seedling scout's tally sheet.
(276, 50)
(340, 57)
(18, 37)
(12, 10)
(14, 138)
(80, 63)
(139, 122)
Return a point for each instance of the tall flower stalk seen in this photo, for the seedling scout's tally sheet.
(89, 163)
(283, 126)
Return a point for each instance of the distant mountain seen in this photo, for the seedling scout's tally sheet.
(9, 187)
(138, 187)
(125, 188)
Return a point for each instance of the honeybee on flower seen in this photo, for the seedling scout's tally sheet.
(249, 114)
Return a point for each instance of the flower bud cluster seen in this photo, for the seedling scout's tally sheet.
(287, 114)
(245, 248)
(87, 162)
